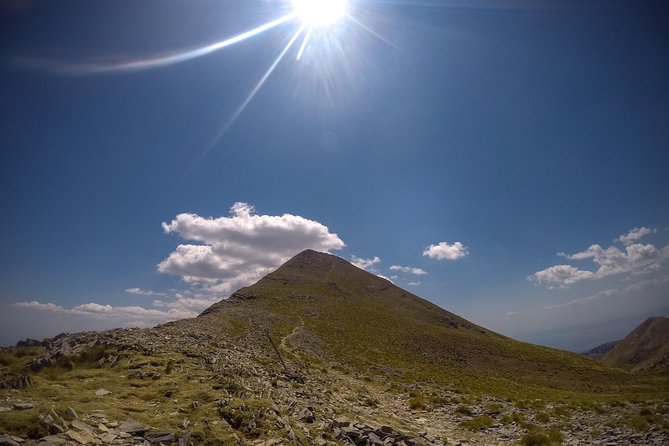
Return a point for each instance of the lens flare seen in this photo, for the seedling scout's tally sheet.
(320, 13)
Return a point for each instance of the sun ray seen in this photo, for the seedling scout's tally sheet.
(231, 120)
(372, 32)
(155, 62)
(304, 42)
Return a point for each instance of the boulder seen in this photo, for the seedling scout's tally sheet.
(132, 427)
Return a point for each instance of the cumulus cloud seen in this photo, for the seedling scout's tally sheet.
(630, 290)
(446, 251)
(366, 264)
(409, 270)
(635, 234)
(236, 251)
(633, 259)
(141, 292)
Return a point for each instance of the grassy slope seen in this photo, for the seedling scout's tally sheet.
(647, 344)
(354, 318)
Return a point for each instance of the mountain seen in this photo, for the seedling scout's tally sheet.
(338, 312)
(600, 350)
(644, 348)
(318, 353)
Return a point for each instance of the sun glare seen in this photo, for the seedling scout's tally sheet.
(319, 13)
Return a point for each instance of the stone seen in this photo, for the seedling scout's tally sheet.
(108, 438)
(102, 392)
(22, 406)
(82, 426)
(22, 382)
(340, 422)
(374, 439)
(306, 415)
(81, 437)
(7, 441)
(132, 427)
(71, 413)
(160, 437)
(350, 432)
(54, 440)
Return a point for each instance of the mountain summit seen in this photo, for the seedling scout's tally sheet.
(328, 308)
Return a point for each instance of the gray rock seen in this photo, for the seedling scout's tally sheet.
(102, 392)
(374, 439)
(22, 406)
(160, 437)
(71, 413)
(82, 426)
(306, 415)
(22, 382)
(7, 441)
(340, 422)
(132, 427)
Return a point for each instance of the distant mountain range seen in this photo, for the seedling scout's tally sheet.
(599, 351)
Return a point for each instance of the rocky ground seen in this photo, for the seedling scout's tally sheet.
(180, 384)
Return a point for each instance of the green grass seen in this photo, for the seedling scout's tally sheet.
(478, 423)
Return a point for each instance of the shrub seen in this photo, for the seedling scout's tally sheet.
(542, 417)
(542, 438)
(478, 423)
(463, 410)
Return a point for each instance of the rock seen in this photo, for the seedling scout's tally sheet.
(196, 404)
(350, 432)
(53, 440)
(132, 427)
(102, 392)
(340, 422)
(82, 437)
(183, 440)
(306, 415)
(22, 406)
(22, 382)
(160, 437)
(374, 439)
(7, 441)
(108, 438)
(71, 413)
(82, 426)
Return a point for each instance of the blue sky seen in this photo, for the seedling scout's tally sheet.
(518, 129)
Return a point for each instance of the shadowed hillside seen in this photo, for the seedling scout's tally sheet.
(644, 348)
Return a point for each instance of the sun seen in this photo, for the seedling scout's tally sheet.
(319, 13)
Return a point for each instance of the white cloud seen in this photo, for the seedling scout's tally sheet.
(180, 308)
(446, 251)
(385, 277)
(635, 234)
(628, 291)
(238, 250)
(409, 270)
(559, 276)
(634, 259)
(34, 305)
(366, 264)
(141, 292)
(414, 283)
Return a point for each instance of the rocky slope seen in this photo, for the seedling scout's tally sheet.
(644, 348)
